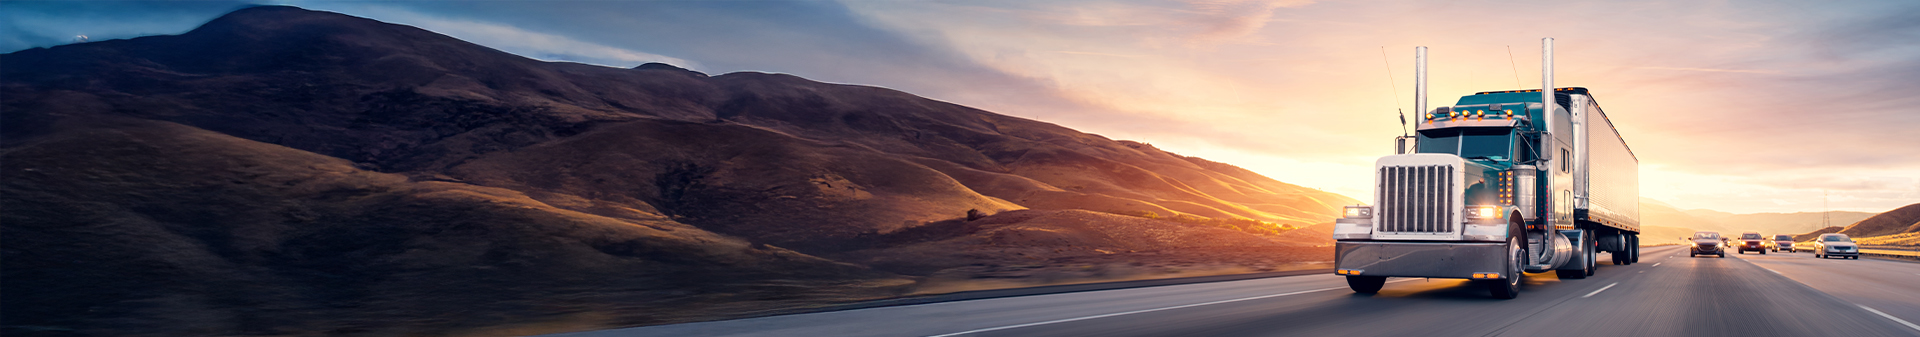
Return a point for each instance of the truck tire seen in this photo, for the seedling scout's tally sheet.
(1509, 288)
(1633, 246)
(1586, 267)
(1366, 284)
(1593, 254)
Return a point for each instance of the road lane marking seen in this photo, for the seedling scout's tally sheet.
(1016, 326)
(1895, 319)
(1601, 289)
(1656, 265)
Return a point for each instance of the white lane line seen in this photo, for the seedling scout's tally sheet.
(1016, 326)
(1601, 289)
(1895, 319)
(1654, 265)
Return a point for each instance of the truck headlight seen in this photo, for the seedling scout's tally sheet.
(1483, 212)
(1356, 212)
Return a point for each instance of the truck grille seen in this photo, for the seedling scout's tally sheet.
(1416, 199)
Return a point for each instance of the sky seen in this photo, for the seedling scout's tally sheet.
(1735, 106)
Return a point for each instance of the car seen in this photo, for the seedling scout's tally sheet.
(1751, 241)
(1835, 244)
(1783, 242)
(1706, 242)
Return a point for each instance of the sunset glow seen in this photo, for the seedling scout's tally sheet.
(1729, 105)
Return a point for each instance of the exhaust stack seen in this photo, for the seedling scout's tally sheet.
(1420, 80)
(1546, 93)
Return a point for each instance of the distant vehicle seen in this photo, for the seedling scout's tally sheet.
(1783, 242)
(1752, 241)
(1705, 242)
(1835, 244)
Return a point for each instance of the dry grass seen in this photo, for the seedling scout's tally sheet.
(1903, 239)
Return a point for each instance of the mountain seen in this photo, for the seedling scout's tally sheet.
(1661, 222)
(285, 171)
(1905, 219)
(1729, 223)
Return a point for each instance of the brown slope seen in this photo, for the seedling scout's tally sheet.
(1905, 219)
(1006, 243)
(401, 99)
(132, 227)
(738, 180)
(1816, 233)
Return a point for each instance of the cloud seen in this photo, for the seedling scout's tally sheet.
(1712, 70)
(1222, 20)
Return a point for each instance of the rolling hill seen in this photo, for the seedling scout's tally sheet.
(1905, 219)
(283, 171)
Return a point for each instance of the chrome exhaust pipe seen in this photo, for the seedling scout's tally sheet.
(1420, 81)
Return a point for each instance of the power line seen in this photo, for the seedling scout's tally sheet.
(1391, 82)
(1513, 65)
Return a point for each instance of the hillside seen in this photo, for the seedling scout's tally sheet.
(179, 229)
(282, 171)
(1905, 219)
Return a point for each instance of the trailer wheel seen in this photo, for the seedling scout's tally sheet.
(1633, 248)
(1509, 288)
(1366, 284)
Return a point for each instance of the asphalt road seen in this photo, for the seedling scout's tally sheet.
(1667, 294)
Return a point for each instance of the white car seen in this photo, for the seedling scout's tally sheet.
(1835, 244)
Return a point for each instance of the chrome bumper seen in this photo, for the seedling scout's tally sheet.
(1421, 259)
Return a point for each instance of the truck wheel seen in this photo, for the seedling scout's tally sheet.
(1634, 256)
(1592, 255)
(1586, 267)
(1509, 288)
(1366, 284)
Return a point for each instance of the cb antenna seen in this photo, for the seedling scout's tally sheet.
(1396, 91)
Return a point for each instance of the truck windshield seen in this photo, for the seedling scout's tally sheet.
(1494, 143)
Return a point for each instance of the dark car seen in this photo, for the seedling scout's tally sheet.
(1705, 242)
(1783, 242)
(1835, 244)
(1752, 241)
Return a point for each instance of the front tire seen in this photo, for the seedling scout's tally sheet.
(1509, 288)
(1366, 284)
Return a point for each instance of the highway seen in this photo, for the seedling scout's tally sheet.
(1667, 294)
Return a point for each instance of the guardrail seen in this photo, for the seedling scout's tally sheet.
(1891, 251)
(1881, 251)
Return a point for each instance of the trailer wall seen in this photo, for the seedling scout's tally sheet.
(1612, 174)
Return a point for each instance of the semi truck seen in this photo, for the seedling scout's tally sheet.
(1497, 185)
